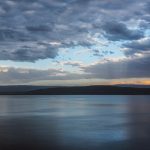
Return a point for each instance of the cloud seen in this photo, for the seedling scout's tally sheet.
(70, 23)
(12, 75)
(133, 67)
(116, 31)
(137, 47)
(147, 7)
(39, 28)
(73, 63)
(7, 35)
(32, 30)
(9, 75)
(126, 68)
(27, 51)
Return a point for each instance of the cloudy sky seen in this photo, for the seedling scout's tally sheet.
(74, 42)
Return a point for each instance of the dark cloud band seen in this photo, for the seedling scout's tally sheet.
(70, 23)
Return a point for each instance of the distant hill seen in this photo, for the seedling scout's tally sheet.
(76, 90)
(133, 85)
(20, 88)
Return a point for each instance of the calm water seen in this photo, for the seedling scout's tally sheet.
(74, 122)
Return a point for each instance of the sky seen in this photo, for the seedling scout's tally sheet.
(74, 42)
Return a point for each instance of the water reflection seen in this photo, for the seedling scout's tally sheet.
(74, 122)
(139, 121)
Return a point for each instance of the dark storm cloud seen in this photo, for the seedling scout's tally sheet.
(27, 51)
(115, 31)
(139, 46)
(13, 35)
(69, 23)
(147, 7)
(40, 28)
(127, 68)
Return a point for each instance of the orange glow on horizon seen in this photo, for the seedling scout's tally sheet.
(136, 82)
(132, 82)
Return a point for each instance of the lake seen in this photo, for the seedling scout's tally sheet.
(75, 122)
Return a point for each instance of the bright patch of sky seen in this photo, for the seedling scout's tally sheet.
(79, 54)
(147, 32)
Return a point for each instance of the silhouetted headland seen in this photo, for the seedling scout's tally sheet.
(77, 90)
